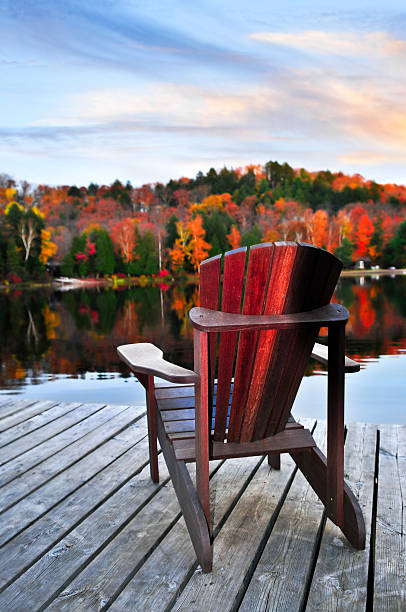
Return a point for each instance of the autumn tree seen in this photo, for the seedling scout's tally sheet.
(48, 248)
(124, 238)
(364, 233)
(178, 255)
(198, 248)
(234, 237)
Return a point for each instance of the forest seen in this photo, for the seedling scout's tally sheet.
(160, 229)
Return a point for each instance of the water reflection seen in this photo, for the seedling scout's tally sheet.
(47, 335)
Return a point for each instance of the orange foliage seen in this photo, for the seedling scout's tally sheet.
(363, 237)
(234, 237)
(320, 228)
(123, 237)
(199, 248)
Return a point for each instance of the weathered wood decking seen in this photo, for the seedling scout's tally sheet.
(82, 527)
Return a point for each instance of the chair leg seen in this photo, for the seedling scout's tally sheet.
(274, 460)
(313, 465)
(189, 502)
(152, 430)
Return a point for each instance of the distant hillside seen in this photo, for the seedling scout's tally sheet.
(115, 228)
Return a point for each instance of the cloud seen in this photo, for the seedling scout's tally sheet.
(370, 158)
(167, 104)
(348, 44)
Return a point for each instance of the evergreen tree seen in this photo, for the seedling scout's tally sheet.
(171, 232)
(146, 261)
(345, 251)
(68, 265)
(395, 252)
(104, 261)
(13, 258)
(251, 237)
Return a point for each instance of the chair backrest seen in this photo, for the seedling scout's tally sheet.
(267, 366)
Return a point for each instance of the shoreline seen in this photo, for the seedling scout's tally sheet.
(380, 272)
(76, 283)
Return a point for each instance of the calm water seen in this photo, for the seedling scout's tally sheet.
(61, 345)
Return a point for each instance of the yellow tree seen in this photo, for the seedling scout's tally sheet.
(48, 248)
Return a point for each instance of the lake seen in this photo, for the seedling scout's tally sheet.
(61, 345)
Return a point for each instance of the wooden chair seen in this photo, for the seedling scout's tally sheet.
(254, 333)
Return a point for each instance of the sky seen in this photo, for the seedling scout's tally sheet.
(94, 91)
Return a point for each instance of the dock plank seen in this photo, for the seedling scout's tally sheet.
(43, 499)
(111, 569)
(237, 543)
(33, 423)
(99, 432)
(49, 575)
(26, 409)
(32, 543)
(280, 577)
(390, 547)
(92, 415)
(82, 526)
(341, 573)
(70, 414)
(10, 406)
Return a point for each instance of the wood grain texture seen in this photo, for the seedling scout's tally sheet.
(23, 410)
(260, 258)
(204, 319)
(279, 281)
(279, 581)
(203, 422)
(284, 441)
(233, 282)
(40, 501)
(33, 423)
(49, 575)
(237, 543)
(68, 416)
(341, 573)
(37, 539)
(390, 547)
(155, 585)
(91, 530)
(209, 295)
(145, 358)
(99, 427)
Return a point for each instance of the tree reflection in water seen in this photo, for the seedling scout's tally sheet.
(75, 332)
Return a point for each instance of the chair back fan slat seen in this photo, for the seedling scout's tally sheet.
(316, 275)
(255, 290)
(279, 281)
(281, 278)
(233, 284)
(291, 348)
(209, 289)
(312, 282)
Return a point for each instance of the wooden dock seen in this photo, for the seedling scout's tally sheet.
(82, 527)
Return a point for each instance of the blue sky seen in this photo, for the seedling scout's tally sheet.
(93, 91)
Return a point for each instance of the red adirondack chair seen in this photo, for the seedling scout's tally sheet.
(254, 333)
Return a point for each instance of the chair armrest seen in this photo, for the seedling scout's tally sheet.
(145, 358)
(208, 320)
(320, 353)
